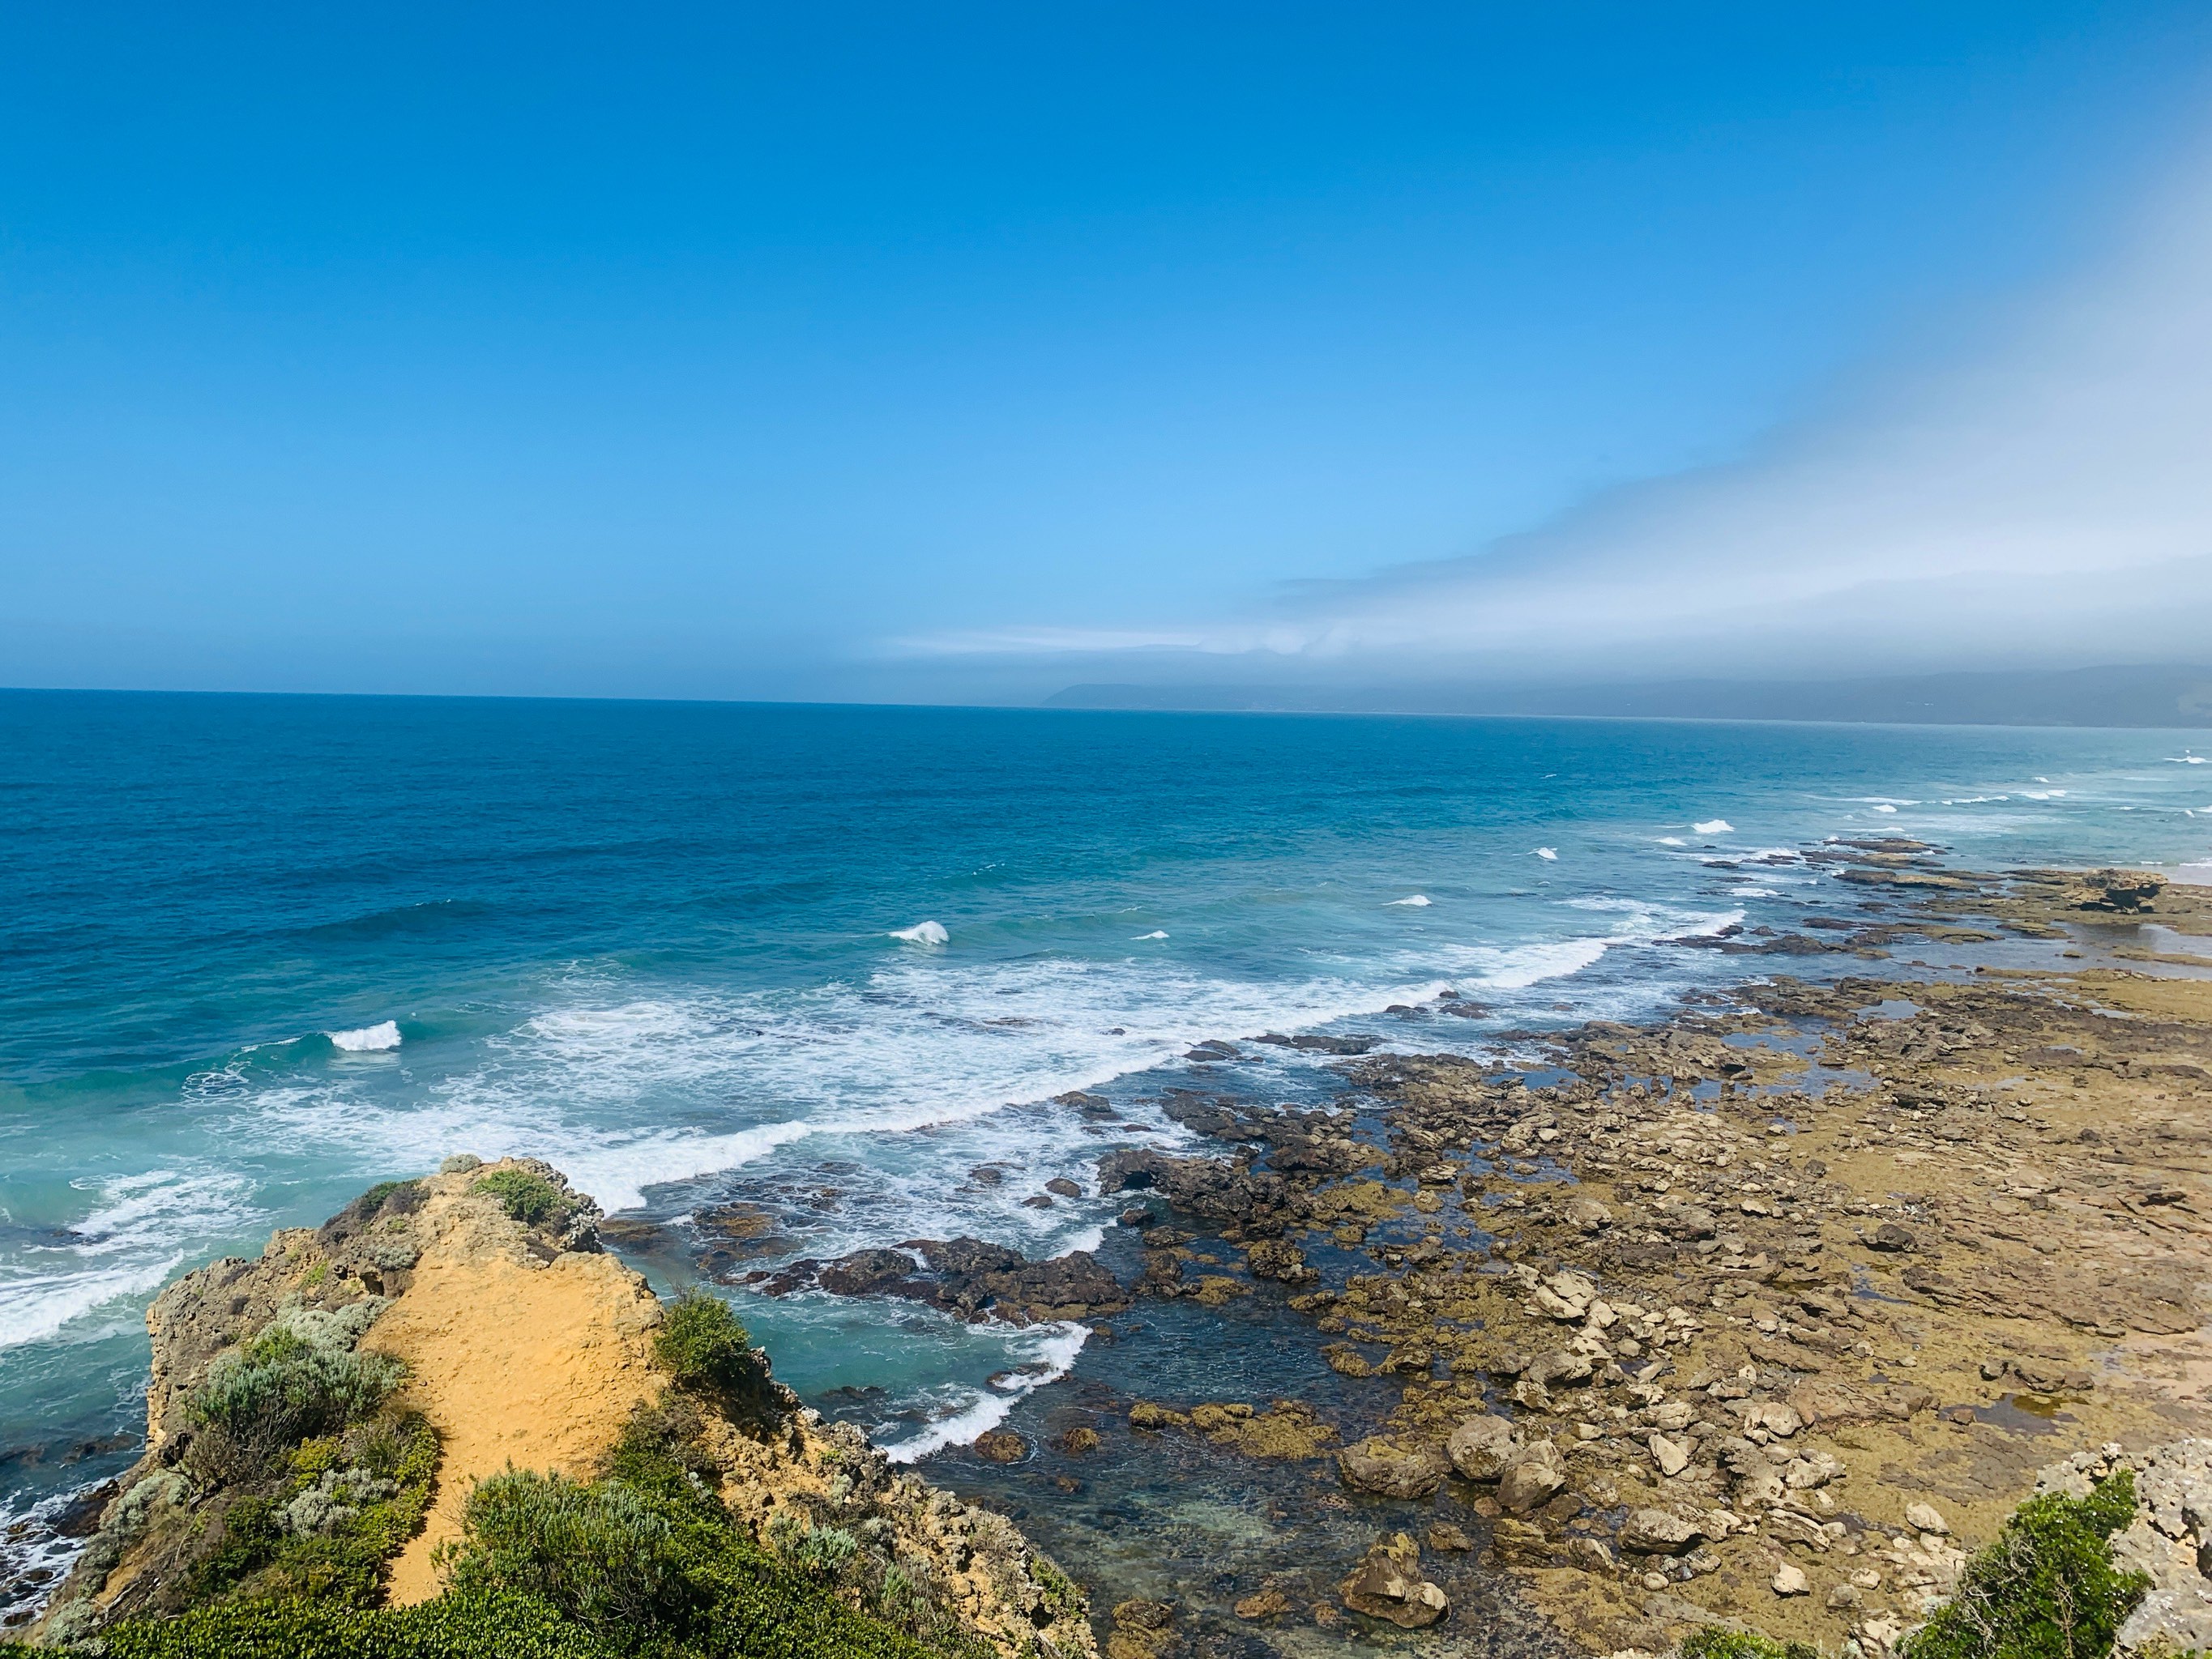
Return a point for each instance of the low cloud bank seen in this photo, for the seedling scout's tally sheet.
(2046, 500)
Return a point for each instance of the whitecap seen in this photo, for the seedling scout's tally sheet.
(129, 1243)
(1417, 900)
(1549, 855)
(1157, 933)
(1051, 1356)
(370, 1039)
(922, 932)
(1714, 826)
(1885, 807)
(1672, 840)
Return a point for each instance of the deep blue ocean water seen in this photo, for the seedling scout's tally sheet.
(257, 952)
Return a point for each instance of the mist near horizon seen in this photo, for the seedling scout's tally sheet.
(2038, 496)
(862, 357)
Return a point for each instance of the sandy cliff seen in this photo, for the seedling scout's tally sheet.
(525, 1345)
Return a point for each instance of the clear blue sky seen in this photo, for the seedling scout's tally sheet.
(698, 350)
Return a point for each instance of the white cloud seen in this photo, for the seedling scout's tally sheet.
(2044, 499)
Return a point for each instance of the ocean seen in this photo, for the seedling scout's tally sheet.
(260, 952)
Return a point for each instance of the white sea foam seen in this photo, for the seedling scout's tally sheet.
(1672, 840)
(1549, 855)
(2184, 758)
(1157, 933)
(1050, 1355)
(922, 932)
(2043, 794)
(369, 1039)
(1417, 900)
(1714, 826)
(1884, 806)
(131, 1241)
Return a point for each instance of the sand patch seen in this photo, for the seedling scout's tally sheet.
(515, 1360)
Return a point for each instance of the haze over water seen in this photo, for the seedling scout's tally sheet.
(262, 953)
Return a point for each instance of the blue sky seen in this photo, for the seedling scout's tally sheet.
(825, 351)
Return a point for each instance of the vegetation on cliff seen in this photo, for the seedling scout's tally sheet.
(289, 1467)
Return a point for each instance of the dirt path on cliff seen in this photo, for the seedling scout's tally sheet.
(515, 1361)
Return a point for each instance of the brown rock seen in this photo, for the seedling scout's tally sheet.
(1390, 1470)
(1531, 1481)
(1389, 1584)
(1002, 1446)
(1268, 1604)
(1077, 1443)
(1481, 1447)
(1658, 1532)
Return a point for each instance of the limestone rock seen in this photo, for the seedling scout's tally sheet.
(1389, 1470)
(1925, 1517)
(1789, 1579)
(1530, 1483)
(1658, 1532)
(1389, 1584)
(1481, 1447)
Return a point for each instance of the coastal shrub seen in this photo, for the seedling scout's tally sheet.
(704, 1346)
(450, 1627)
(822, 1553)
(361, 1517)
(2047, 1588)
(527, 1198)
(1713, 1642)
(280, 1390)
(598, 1553)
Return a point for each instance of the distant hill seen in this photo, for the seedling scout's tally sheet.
(2152, 696)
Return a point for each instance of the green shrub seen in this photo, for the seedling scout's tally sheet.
(2046, 1589)
(281, 1389)
(451, 1627)
(645, 1560)
(527, 1198)
(1713, 1642)
(703, 1345)
(820, 1552)
(342, 1565)
(598, 1553)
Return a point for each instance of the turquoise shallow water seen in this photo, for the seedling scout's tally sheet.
(260, 952)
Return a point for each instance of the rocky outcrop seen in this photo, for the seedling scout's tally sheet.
(965, 1277)
(1389, 1584)
(2169, 1541)
(519, 1342)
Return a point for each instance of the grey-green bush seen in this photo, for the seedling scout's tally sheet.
(598, 1553)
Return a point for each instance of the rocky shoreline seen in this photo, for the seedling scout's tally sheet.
(1762, 1318)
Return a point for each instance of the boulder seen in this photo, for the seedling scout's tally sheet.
(1530, 1482)
(1658, 1532)
(1789, 1579)
(1389, 1470)
(1389, 1584)
(1482, 1447)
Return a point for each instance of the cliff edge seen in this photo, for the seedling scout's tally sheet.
(402, 1415)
